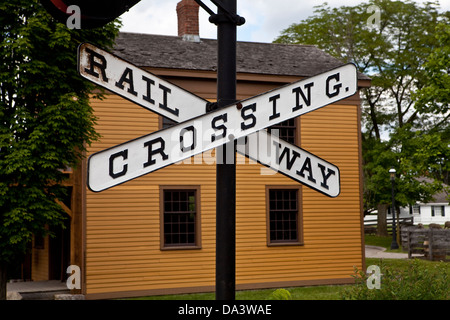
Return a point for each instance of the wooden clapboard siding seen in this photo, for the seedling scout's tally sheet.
(39, 263)
(122, 224)
(335, 225)
(331, 227)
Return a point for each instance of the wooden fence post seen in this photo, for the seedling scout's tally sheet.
(430, 243)
(409, 243)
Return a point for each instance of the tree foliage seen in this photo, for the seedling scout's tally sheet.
(434, 95)
(45, 118)
(405, 111)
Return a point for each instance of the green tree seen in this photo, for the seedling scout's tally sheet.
(391, 41)
(435, 94)
(45, 120)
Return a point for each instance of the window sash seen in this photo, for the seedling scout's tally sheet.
(438, 211)
(180, 218)
(416, 209)
(284, 217)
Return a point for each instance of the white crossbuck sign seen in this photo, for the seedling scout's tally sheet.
(197, 131)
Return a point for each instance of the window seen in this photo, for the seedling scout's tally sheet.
(287, 130)
(284, 219)
(180, 218)
(415, 209)
(437, 211)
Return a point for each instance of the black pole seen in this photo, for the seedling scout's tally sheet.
(226, 171)
(394, 244)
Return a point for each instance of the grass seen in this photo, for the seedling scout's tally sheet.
(297, 293)
(304, 293)
(385, 242)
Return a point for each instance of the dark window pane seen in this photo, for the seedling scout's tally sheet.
(283, 215)
(179, 217)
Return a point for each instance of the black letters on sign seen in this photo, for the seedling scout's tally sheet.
(286, 152)
(164, 105)
(148, 97)
(307, 167)
(299, 92)
(336, 87)
(194, 137)
(127, 77)
(325, 177)
(124, 155)
(152, 152)
(250, 116)
(224, 118)
(275, 114)
(94, 64)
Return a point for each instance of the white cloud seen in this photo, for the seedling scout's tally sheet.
(155, 17)
(265, 19)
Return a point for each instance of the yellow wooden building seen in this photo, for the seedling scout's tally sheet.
(156, 234)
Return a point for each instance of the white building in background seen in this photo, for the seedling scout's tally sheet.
(437, 211)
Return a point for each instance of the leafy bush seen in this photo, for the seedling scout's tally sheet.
(419, 280)
(281, 294)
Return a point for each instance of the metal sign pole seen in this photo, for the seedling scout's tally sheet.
(225, 171)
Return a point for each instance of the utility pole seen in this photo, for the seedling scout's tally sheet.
(227, 21)
(226, 171)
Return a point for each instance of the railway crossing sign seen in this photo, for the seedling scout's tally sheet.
(199, 132)
(97, 66)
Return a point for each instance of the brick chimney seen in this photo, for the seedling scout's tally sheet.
(188, 26)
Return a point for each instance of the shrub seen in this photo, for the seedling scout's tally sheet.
(280, 294)
(419, 280)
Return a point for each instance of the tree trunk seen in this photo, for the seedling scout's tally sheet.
(381, 222)
(3, 280)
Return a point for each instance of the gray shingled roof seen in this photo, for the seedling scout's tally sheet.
(147, 50)
(439, 197)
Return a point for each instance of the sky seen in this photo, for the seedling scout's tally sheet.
(265, 19)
